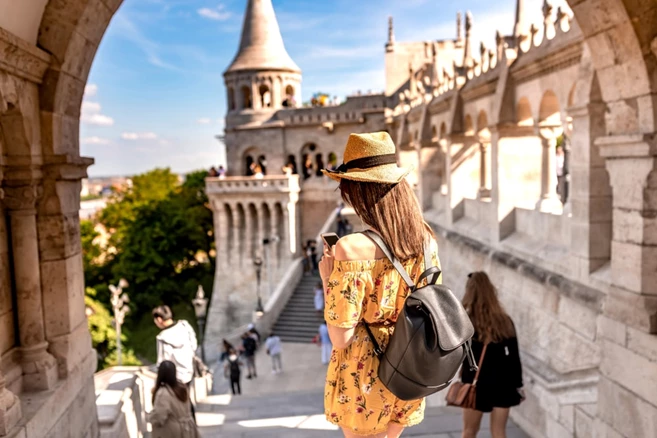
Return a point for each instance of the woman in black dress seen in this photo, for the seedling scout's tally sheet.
(500, 380)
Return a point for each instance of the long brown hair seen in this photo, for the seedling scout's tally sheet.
(166, 376)
(392, 210)
(491, 322)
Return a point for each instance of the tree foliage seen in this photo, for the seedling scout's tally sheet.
(161, 242)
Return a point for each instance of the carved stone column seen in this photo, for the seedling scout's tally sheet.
(237, 250)
(273, 232)
(444, 149)
(39, 367)
(549, 202)
(222, 242)
(260, 231)
(484, 169)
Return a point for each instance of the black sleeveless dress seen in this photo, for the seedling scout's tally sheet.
(500, 376)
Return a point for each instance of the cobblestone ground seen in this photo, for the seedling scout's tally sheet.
(290, 404)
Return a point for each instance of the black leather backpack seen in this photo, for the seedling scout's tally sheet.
(431, 336)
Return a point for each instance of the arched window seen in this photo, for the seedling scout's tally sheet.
(262, 163)
(332, 161)
(524, 112)
(265, 96)
(288, 99)
(246, 97)
(248, 162)
(469, 126)
(307, 165)
(231, 99)
(319, 165)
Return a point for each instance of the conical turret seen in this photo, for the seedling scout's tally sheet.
(261, 45)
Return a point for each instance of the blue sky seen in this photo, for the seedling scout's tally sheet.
(155, 94)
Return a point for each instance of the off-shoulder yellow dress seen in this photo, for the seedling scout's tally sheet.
(373, 291)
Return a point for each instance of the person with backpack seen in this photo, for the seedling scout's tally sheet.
(249, 346)
(177, 343)
(233, 371)
(171, 417)
(499, 383)
(364, 291)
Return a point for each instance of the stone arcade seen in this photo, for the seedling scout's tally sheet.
(580, 280)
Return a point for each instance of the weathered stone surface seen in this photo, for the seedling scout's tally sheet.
(617, 360)
(612, 330)
(580, 318)
(642, 343)
(625, 412)
(583, 424)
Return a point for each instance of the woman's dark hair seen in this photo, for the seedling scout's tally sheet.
(163, 312)
(227, 345)
(491, 322)
(166, 376)
(392, 210)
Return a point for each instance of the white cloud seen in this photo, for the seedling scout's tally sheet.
(91, 112)
(218, 14)
(139, 136)
(203, 121)
(90, 90)
(94, 140)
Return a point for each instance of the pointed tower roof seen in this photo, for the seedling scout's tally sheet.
(522, 23)
(261, 45)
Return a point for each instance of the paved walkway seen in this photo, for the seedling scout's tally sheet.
(290, 404)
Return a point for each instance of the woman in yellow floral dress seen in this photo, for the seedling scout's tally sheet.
(361, 285)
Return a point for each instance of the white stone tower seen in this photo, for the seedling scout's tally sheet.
(262, 78)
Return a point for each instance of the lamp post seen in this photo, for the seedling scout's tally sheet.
(119, 300)
(257, 263)
(200, 304)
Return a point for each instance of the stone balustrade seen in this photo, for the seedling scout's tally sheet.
(252, 185)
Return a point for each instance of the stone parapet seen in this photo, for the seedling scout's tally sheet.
(253, 186)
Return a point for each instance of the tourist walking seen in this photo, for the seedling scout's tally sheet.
(249, 346)
(171, 417)
(274, 350)
(325, 343)
(319, 299)
(226, 349)
(177, 343)
(255, 334)
(233, 371)
(499, 383)
(363, 287)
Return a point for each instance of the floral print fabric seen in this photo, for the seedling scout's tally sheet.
(372, 291)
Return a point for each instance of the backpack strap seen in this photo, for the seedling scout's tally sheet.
(390, 256)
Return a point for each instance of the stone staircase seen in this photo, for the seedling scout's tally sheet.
(299, 321)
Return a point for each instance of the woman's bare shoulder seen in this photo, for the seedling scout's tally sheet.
(355, 246)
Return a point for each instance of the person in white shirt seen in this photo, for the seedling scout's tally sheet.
(319, 299)
(325, 343)
(274, 349)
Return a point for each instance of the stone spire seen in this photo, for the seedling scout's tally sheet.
(521, 27)
(391, 32)
(467, 51)
(261, 45)
(459, 29)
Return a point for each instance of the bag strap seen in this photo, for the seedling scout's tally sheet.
(390, 256)
(481, 360)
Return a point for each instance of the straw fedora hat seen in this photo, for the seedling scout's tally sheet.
(370, 158)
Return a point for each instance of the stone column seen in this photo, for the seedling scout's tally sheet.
(627, 400)
(260, 236)
(444, 149)
(275, 245)
(549, 202)
(222, 234)
(236, 252)
(484, 173)
(39, 367)
(255, 95)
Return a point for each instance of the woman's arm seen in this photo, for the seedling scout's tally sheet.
(340, 337)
